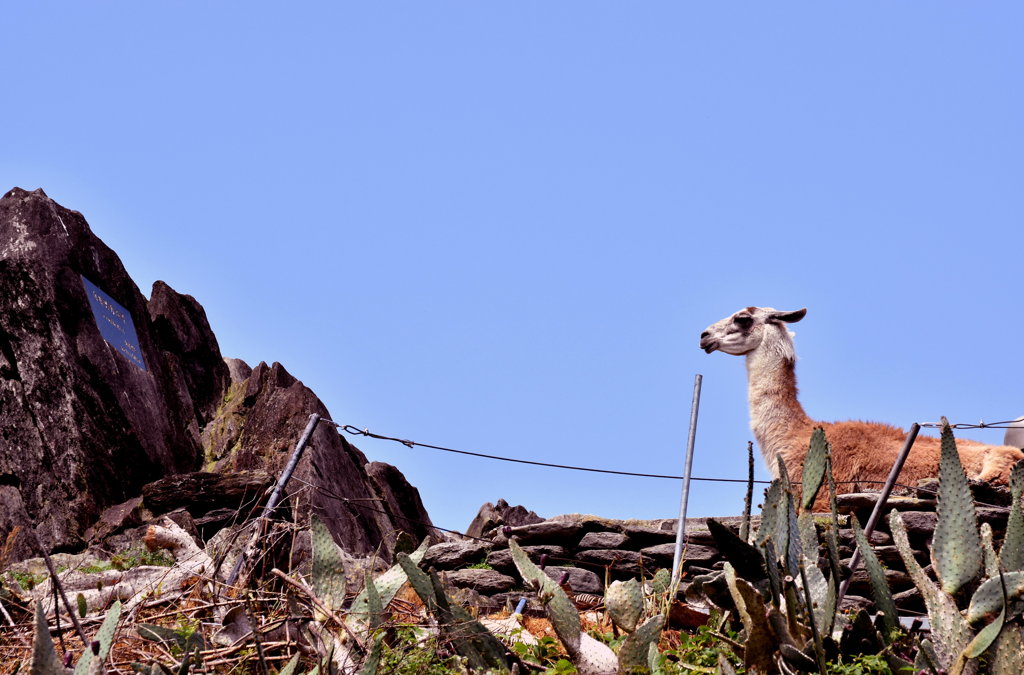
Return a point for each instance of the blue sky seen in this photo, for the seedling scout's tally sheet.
(501, 227)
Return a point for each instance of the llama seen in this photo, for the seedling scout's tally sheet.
(862, 452)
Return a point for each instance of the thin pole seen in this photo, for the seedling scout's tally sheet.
(681, 527)
(876, 512)
(275, 496)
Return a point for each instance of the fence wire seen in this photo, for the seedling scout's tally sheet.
(354, 430)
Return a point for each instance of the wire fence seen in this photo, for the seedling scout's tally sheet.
(356, 431)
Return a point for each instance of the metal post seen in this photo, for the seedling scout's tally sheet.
(681, 527)
(276, 495)
(876, 513)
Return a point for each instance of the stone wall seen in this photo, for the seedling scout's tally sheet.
(593, 551)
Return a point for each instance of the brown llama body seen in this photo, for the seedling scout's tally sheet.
(862, 452)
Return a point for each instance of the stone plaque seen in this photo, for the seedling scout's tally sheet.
(115, 323)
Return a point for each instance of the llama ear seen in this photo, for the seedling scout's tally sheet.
(787, 317)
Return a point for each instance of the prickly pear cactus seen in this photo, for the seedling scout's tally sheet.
(328, 576)
(590, 656)
(956, 545)
(879, 584)
(1011, 555)
(105, 636)
(814, 468)
(633, 654)
(44, 655)
(625, 603)
(386, 585)
(949, 629)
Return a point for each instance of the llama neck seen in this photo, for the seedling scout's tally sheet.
(775, 413)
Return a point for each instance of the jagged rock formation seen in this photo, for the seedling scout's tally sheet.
(103, 392)
(257, 426)
(491, 517)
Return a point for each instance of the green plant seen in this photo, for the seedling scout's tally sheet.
(860, 664)
(27, 580)
(973, 608)
(44, 654)
(774, 587)
(407, 653)
(702, 648)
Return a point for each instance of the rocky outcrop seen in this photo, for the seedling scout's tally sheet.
(491, 517)
(84, 424)
(364, 504)
(190, 349)
(103, 392)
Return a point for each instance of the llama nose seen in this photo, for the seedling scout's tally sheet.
(704, 335)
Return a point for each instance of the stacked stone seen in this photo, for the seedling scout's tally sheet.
(594, 551)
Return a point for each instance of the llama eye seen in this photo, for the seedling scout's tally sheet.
(743, 320)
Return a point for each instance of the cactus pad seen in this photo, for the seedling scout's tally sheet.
(876, 575)
(625, 603)
(634, 650)
(328, 576)
(956, 545)
(1011, 555)
(814, 468)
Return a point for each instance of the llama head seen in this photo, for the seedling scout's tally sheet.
(752, 328)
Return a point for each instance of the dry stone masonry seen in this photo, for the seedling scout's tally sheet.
(593, 550)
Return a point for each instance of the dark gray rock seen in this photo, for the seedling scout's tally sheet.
(200, 492)
(641, 535)
(920, 523)
(580, 580)
(627, 562)
(84, 426)
(486, 582)
(455, 554)
(400, 500)
(257, 426)
(603, 540)
(562, 533)
(699, 536)
(190, 348)
(87, 423)
(897, 580)
(994, 516)
(888, 554)
(909, 600)
(693, 554)
(116, 518)
(502, 559)
(15, 526)
(238, 370)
